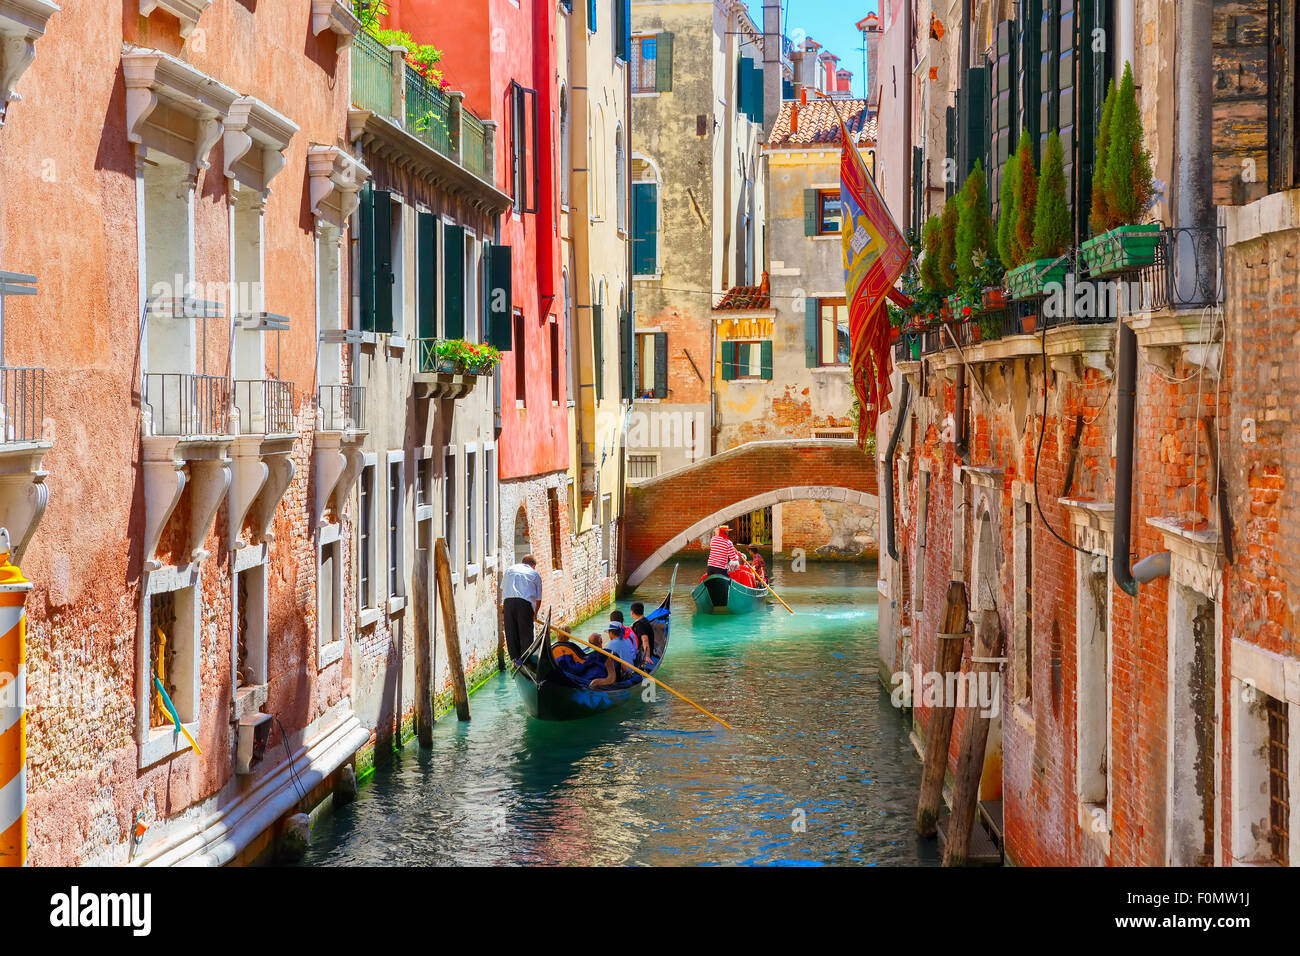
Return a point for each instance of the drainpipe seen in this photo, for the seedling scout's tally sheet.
(13, 711)
(1194, 158)
(1126, 393)
(908, 53)
(891, 539)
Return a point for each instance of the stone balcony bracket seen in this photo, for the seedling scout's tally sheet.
(254, 142)
(22, 23)
(172, 107)
(262, 468)
(1194, 336)
(186, 11)
(338, 459)
(170, 465)
(443, 385)
(1093, 523)
(1197, 553)
(337, 17)
(336, 180)
(23, 492)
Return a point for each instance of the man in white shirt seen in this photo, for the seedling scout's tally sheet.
(521, 593)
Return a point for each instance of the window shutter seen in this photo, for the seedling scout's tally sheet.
(644, 229)
(758, 95)
(1002, 110)
(950, 149)
(810, 212)
(382, 218)
(598, 349)
(426, 271)
(744, 86)
(626, 360)
(973, 98)
(1066, 93)
(918, 187)
(812, 313)
(661, 365)
(623, 23)
(366, 254)
(501, 306)
(728, 361)
(1049, 34)
(591, 15)
(1028, 66)
(453, 303)
(1096, 68)
(765, 359)
(664, 63)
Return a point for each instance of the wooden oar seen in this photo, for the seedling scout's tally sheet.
(633, 667)
(777, 596)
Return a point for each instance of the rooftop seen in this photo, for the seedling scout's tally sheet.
(817, 126)
(742, 298)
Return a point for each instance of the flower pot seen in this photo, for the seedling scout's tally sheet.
(994, 299)
(1030, 280)
(1029, 323)
(1122, 249)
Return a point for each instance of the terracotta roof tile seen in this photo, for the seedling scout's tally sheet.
(746, 298)
(818, 126)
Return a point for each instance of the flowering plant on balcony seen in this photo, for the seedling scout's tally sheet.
(459, 355)
(422, 57)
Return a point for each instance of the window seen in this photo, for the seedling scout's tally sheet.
(366, 536)
(1022, 621)
(521, 360)
(1279, 785)
(489, 502)
(553, 509)
(570, 353)
(375, 248)
(449, 505)
(523, 132)
(471, 501)
(620, 180)
(828, 212)
(396, 524)
(1283, 101)
(1192, 703)
(642, 466)
(645, 228)
(555, 360)
(833, 343)
(651, 365)
(423, 479)
(622, 28)
(566, 173)
(1093, 752)
(250, 626)
(453, 281)
(596, 164)
(746, 360)
(330, 594)
(598, 341)
(644, 62)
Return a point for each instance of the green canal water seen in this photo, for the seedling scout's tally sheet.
(818, 769)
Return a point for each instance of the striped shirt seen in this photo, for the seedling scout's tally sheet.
(721, 551)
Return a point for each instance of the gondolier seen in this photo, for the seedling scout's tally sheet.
(721, 553)
(521, 593)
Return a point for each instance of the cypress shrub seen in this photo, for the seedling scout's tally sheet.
(975, 239)
(1052, 227)
(948, 246)
(1007, 214)
(1128, 164)
(929, 267)
(1022, 233)
(1099, 216)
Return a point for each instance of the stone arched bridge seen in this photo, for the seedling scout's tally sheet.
(664, 514)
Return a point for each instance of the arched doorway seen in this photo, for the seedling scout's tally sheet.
(522, 544)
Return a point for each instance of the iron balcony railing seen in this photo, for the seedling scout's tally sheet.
(473, 146)
(22, 404)
(932, 340)
(1186, 272)
(187, 405)
(372, 74)
(341, 407)
(428, 113)
(265, 406)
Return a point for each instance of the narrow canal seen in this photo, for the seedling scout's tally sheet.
(818, 769)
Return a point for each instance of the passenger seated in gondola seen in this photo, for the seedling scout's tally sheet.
(580, 667)
(644, 634)
(623, 648)
(741, 575)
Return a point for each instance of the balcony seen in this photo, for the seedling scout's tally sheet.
(398, 112)
(261, 457)
(265, 406)
(338, 458)
(23, 492)
(185, 405)
(438, 377)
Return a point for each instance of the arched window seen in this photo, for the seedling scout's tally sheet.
(620, 179)
(596, 164)
(566, 173)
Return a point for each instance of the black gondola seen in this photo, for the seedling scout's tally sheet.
(549, 693)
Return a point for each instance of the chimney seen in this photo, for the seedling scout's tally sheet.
(771, 63)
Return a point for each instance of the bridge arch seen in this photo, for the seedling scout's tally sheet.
(664, 514)
(735, 510)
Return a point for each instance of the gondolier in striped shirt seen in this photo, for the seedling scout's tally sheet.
(721, 552)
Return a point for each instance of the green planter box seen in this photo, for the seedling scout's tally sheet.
(1029, 281)
(1120, 250)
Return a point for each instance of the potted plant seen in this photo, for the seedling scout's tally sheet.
(457, 356)
(1122, 190)
(1050, 236)
(947, 266)
(976, 246)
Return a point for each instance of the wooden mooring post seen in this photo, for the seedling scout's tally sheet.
(450, 630)
(947, 659)
(974, 737)
(423, 649)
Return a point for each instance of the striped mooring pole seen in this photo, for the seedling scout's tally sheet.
(13, 711)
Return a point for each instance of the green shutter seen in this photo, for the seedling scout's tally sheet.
(765, 358)
(1067, 61)
(598, 349)
(627, 360)
(1028, 65)
(501, 305)
(950, 183)
(644, 228)
(973, 98)
(810, 212)
(661, 365)
(1002, 108)
(366, 255)
(1096, 69)
(758, 95)
(591, 15)
(728, 361)
(664, 63)
(453, 264)
(382, 219)
(812, 314)
(1049, 104)
(623, 24)
(918, 187)
(745, 87)
(426, 272)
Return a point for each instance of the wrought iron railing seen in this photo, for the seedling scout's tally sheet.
(428, 113)
(932, 340)
(187, 405)
(265, 406)
(22, 404)
(372, 74)
(473, 146)
(341, 407)
(1195, 257)
(642, 466)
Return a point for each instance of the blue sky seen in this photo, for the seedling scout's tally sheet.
(830, 23)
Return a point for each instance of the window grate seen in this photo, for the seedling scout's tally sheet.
(1279, 786)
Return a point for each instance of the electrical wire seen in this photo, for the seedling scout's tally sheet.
(1038, 455)
(293, 774)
